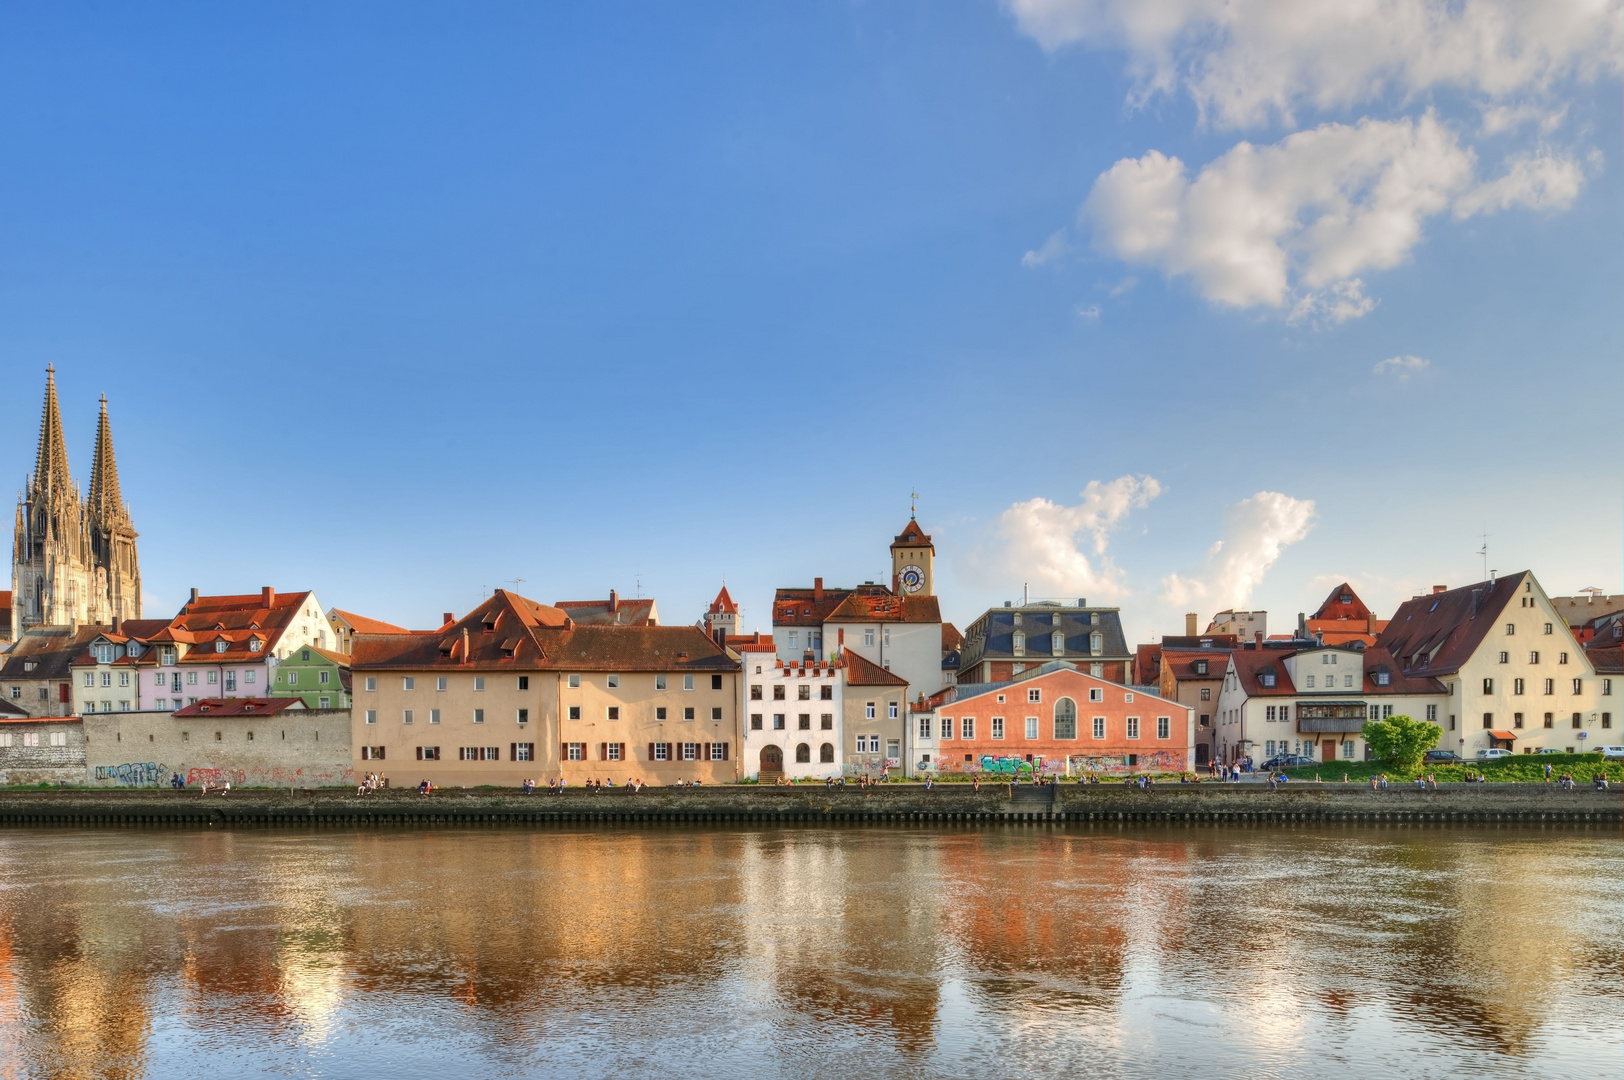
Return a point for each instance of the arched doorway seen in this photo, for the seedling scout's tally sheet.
(772, 763)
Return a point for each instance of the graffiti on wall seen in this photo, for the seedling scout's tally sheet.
(130, 775)
(214, 777)
(1075, 765)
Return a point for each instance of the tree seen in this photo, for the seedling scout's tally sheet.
(1399, 742)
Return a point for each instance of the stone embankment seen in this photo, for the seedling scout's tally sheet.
(809, 805)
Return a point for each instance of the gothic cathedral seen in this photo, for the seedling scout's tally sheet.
(72, 561)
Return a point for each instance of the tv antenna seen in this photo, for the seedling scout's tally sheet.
(1484, 551)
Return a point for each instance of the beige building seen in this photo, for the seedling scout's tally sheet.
(37, 673)
(518, 690)
(1515, 676)
(876, 717)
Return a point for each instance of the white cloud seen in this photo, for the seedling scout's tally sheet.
(1401, 366)
(1123, 287)
(1272, 225)
(1061, 550)
(1245, 62)
(1540, 181)
(1256, 531)
(1090, 312)
(1293, 224)
(1502, 118)
(1057, 245)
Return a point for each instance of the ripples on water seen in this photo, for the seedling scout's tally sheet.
(1396, 952)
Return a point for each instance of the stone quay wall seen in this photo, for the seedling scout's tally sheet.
(816, 805)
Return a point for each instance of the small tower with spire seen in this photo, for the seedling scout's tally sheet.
(723, 614)
(72, 561)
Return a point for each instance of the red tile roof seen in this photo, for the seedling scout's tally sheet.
(1606, 657)
(511, 633)
(805, 607)
(863, 672)
(615, 611)
(911, 536)
(1437, 633)
(1182, 662)
(723, 604)
(240, 706)
(951, 638)
(1252, 664)
(1399, 682)
(363, 625)
(882, 605)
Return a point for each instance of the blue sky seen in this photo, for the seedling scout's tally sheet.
(403, 302)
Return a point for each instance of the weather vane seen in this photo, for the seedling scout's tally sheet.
(913, 505)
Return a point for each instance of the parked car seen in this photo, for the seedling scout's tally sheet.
(1286, 761)
(1547, 750)
(1490, 755)
(1611, 753)
(1442, 757)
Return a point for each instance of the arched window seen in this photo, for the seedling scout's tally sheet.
(1065, 719)
(803, 754)
(1059, 645)
(826, 753)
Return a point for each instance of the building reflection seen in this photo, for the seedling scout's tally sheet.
(813, 942)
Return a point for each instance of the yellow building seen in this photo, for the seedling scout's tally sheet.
(518, 690)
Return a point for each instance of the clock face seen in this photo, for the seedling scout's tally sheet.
(913, 579)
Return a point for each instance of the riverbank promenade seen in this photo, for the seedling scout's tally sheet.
(885, 804)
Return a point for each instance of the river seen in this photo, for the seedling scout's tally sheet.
(1317, 951)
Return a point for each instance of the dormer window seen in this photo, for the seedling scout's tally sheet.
(168, 656)
(1054, 620)
(219, 644)
(1059, 642)
(248, 708)
(1017, 618)
(1383, 677)
(1200, 667)
(253, 646)
(1096, 643)
(1020, 643)
(133, 650)
(1267, 678)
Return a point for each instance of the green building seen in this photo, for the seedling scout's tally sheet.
(319, 677)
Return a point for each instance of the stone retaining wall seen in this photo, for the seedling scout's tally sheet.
(898, 804)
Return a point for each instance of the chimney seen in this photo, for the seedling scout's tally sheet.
(1257, 637)
(1436, 589)
(720, 636)
(267, 596)
(1477, 600)
(465, 644)
(614, 600)
(817, 588)
(194, 595)
(1189, 624)
(447, 619)
(840, 637)
(117, 622)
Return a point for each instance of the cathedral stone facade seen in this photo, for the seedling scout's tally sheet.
(73, 560)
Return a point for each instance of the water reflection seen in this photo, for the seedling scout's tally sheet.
(136, 954)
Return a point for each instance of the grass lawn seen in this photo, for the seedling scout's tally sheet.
(1522, 769)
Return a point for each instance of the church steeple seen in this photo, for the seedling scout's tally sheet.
(104, 503)
(51, 463)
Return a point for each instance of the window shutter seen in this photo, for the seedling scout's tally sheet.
(651, 751)
(623, 756)
(724, 751)
(419, 753)
(669, 754)
(378, 753)
(513, 751)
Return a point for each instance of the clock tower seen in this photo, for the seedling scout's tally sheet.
(911, 556)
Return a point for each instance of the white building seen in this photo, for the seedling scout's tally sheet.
(793, 716)
(1315, 701)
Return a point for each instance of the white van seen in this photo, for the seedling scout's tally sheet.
(1612, 753)
(1490, 755)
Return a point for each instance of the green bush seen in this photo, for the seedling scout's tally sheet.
(1399, 742)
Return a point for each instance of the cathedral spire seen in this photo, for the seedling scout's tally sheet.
(106, 505)
(51, 464)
